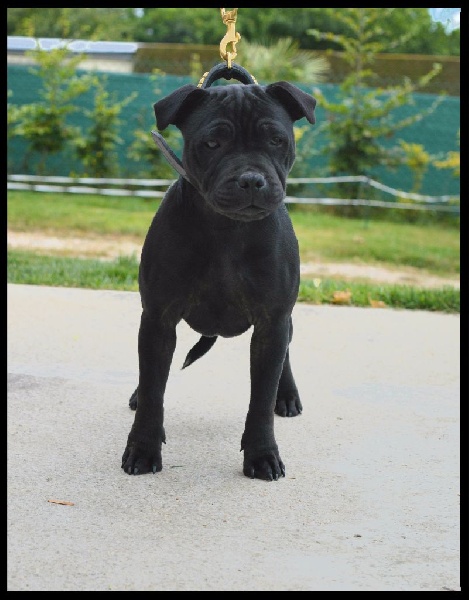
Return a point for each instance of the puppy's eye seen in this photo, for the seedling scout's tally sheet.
(276, 140)
(212, 144)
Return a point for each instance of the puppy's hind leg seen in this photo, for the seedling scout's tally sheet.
(288, 403)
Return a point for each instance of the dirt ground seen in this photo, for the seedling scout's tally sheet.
(109, 248)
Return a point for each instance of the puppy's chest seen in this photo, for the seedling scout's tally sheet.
(226, 282)
(224, 297)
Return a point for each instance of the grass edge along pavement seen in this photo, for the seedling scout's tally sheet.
(121, 274)
(324, 237)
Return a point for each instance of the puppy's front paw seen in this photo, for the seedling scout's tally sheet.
(288, 404)
(140, 458)
(268, 466)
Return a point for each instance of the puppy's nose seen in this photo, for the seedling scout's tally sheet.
(251, 181)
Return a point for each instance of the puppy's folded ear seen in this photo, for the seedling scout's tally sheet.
(298, 104)
(171, 109)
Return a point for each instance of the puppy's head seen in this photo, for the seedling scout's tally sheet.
(239, 144)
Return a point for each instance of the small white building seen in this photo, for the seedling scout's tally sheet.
(116, 57)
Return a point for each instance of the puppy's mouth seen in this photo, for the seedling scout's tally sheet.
(250, 213)
(246, 213)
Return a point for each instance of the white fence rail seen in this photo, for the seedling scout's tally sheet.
(139, 187)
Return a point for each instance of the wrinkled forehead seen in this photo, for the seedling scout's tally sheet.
(242, 104)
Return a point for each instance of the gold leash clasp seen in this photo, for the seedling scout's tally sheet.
(231, 36)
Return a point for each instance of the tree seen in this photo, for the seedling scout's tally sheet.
(180, 25)
(417, 159)
(266, 25)
(204, 26)
(96, 148)
(113, 24)
(362, 117)
(150, 161)
(451, 161)
(282, 60)
(44, 124)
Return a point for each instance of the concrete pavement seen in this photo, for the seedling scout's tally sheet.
(370, 501)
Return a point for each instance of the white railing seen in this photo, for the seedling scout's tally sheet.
(138, 187)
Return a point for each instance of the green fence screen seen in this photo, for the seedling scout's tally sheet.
(437, 133)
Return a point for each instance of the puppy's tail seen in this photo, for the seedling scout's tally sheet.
(202, 346)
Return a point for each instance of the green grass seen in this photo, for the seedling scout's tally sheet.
(33, 269)
(122, 274)
(76, 214)
(432, 248)
(446, 299)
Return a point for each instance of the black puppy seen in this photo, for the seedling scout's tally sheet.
(221, 254)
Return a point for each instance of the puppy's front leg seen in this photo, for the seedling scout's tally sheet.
(269, 345)
(156, 344)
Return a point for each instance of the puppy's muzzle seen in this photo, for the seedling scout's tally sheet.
(248, 196)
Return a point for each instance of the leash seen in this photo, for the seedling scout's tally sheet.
(226, 71)
(169, 154)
